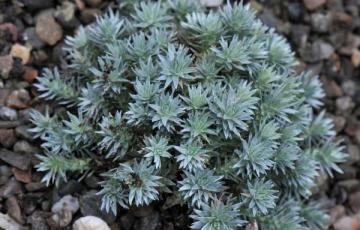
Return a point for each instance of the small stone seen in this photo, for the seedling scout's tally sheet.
(40, 57)
(30, 202)
(24, 147)
(352, 42)
(9, 124)
(352, 126)
(344, 104)
(7, 137)
(96, 3)
(6, 63)
(47, 29)
(300, 35)
(33, 5)
(357, 136)
(21, 161)
(35, 186)
(5, 171)
(349, 185)
(211, 3)
(347, 223)
(355, 58)
(31, 38)
(88, 15)
(354, 201)
(321, 22)
(336, 212)
(4, 93)
(335, 5)
(30, 74)
(18, 99)
(7, 114)
(341, 17)
(11, 28)
(21, 52)
(38, 220)
(23, 132)
(3, 180)
(268, 18)
(90, 223)
(46, 205)
(24, 114)
(339, 123)
(11, 188)
(68, 202)
(295, 11)
(349, 87)
(353, 154)
(313, 4)
(90, 204)
(349, 172)
(14, 210)
(23, 176)
(6, 222)
(60, 220)
(252, 226)
(80, 4)
(319, 50)
(325, 49)
(65, 14)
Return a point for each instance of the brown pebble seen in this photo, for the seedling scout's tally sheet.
(332, 89)
(355, 58)
(30, 74)
(48, 30)
(21, 52)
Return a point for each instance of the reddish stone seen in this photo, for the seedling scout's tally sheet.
(30, 74)
(21, 175)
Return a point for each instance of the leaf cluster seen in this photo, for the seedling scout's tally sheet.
(169, 97)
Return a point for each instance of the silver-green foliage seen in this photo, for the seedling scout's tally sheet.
(169, 97)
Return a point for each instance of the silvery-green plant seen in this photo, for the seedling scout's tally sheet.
(167, 97)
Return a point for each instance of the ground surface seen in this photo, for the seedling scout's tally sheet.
(325, 35)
